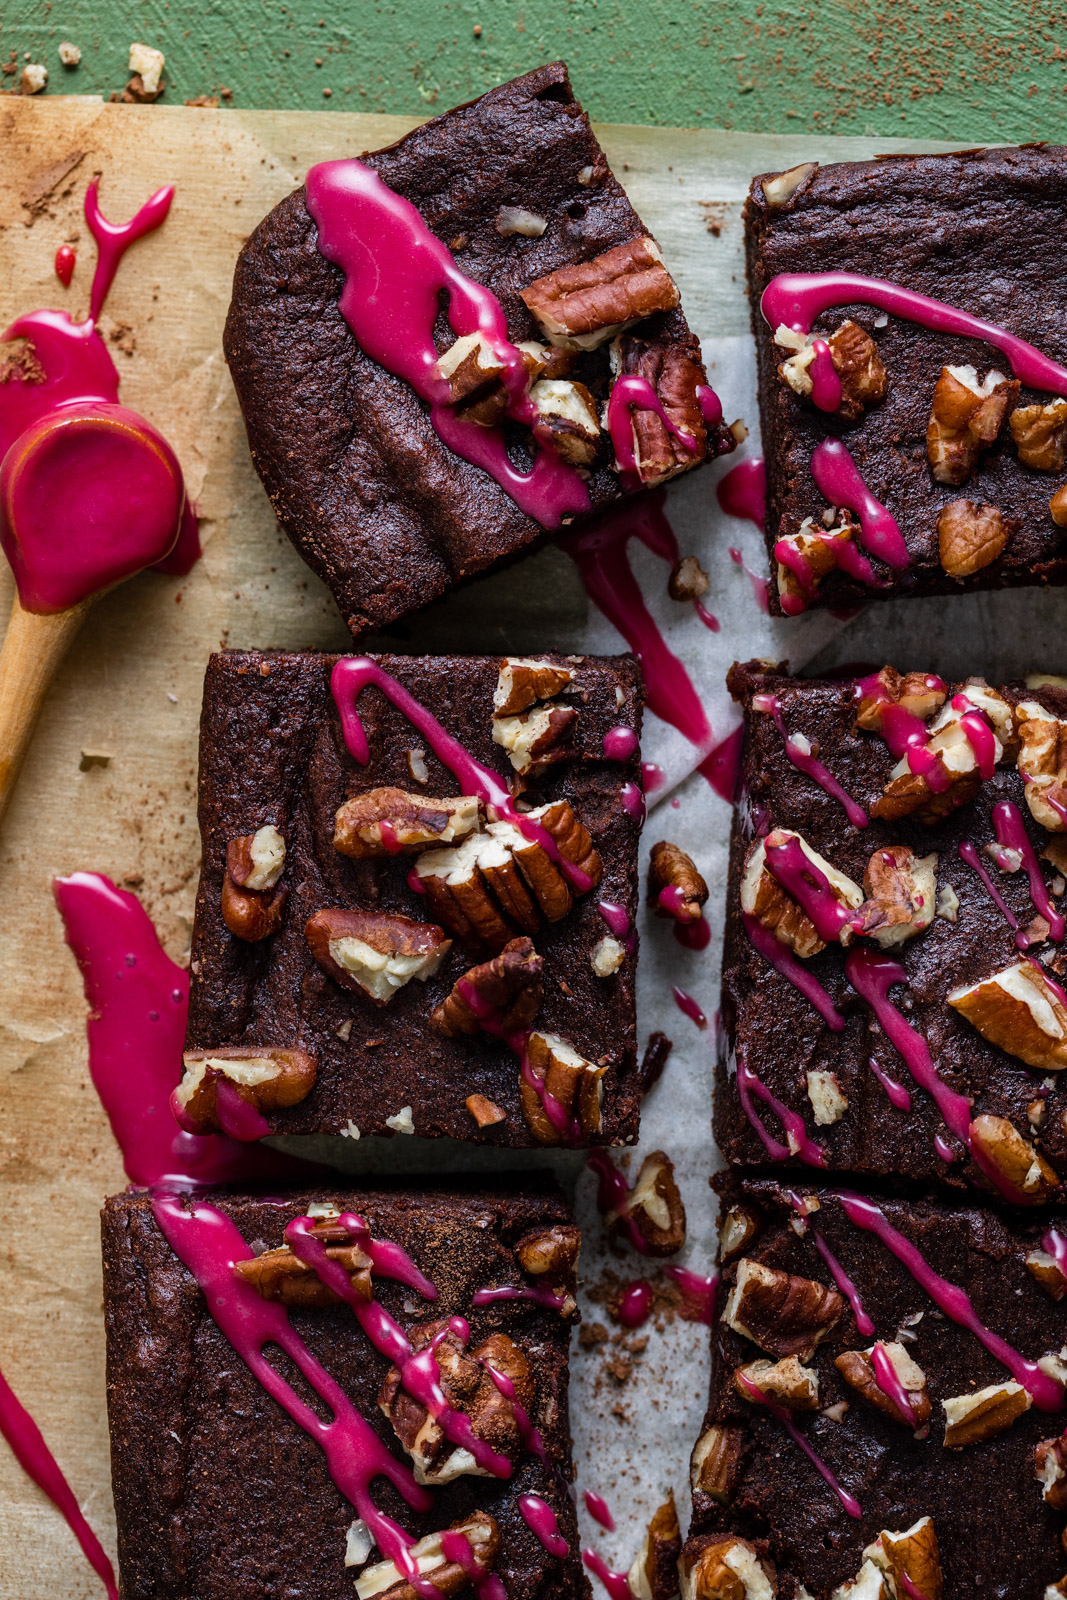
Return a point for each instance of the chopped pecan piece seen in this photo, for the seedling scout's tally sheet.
(280, 1275)
(571, 838)
(473, 370)
(857, 1369)
(449, 1578)
(560, 1091)
(524, 680)
(375, 952)
(469, 1388)
(675, 887)
(567, 420)
(828, 1100)
(723, 1567)
(536, 875)
(1050, 1470)
(1042, 764)
(266, 1077)
(901, 890)
(715, 1463)
(674, 374)
(965, 417)
(688, 580)
(654, 1207)
(808, 556)
(784, 1314)
(583, 305)
(1019, 1163)
(654, 1574)
(764, 898)
(1046, 1270)
(982, 1414)
(537, 738)
(914, 1555)
(252, 905)
(386, 822)
(970, 536)
(1058, 510)
(739, 1227)
(1020, 1010)
(1040, 434)
(502, 996)
(855, 359)
(485, 1112)
(954, 778)
(918, 693)
(549, 1251)
(786, 1383)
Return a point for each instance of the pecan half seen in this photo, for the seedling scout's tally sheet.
(566, 420)
(457, 892)
(913, 1554)
(502, 996)
(1058, 511)
(571, 838)
(387, 822)
(1042, 764)
(375, 952)
(1040, 434)
(280, 1275)
(1021, 1011)
(901, 890)
(267, 1077)
(537, 738)
(582, 305)
(654, 1574)
(674, 373)
(675, 887)
(252, 905)
(1019, 1163)
(715, 1464)
(654, 1207)
(784, 1314)
(855, 359)
(383, 1581)
(724, 1567)
(467, 1387)
(563, 1100)
(524, 680)
(921, 694)
(786, 1383)
(1050, 1470)
(970, 536)
(965, 417)
(856, 1367)
(973, 1418)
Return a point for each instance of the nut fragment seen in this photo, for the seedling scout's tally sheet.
(468, 1387)
(537, 738)
(724, 1567)
(375, 952)
(1058, 507)
(474, 371)
(828, 1101)
(281, 1276)
(1021, 1011)
(571, 838)
(1047, 1272)
(970, 536)
(524, 680)
(784, 1314)
(252, 905)
(33, 78)
(783, 186)
(1042, 764)
(675, 887)
(1040, 434)
(70, 54)
(148, 64)
(1050, 1470)
(965, 417)
(383, 1581)
(551, 1251)
(920, 694)
(566, 420)
(388, 821)
(715, 1463)
(786, 1383)
(502, 996)
(559, 1090)
(901, 892)
(485, 1113)
(654, 1207)
(608, 956)
(913, 1555)
(973, 1418)
(857, 1369)
(582, 305)
(654, 1574)
(688, 580)
(739, 1227)
(266, 1077)
(661, 448)
(516, 219)
(1015, 1158)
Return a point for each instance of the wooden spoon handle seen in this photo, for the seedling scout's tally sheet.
(33, 648)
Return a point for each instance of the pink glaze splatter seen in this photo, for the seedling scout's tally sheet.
(885, 1376)
(635, 1305)
(617, 919)
(698, 1293)
(798, 1143)
(785, 962)
(617, 1584)
(689, 1007)
(620, 743)
(1012, 835)
(944, 1150)
(539, 1516)
(825, 383)
(837, 478)
(632, 801)
(895, 1092)
(742, 492)
(396, 272)
(65, 263)
(541, 1293)
(760, 586)
(1045, 1392)
(710, 621)
(799, 752)
(599, 1510)
(850, 1503)
(864, 1325)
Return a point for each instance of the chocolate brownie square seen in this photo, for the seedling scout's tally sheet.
(911, 449)
(391, 943)
(892, 974)
(397, 478)
(886, 1403)
(224, 1488)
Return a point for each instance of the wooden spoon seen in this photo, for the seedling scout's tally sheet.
(33, 648)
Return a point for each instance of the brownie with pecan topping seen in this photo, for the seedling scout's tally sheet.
(418, 958)
(517, 187)
(893, 975)
(219, 1490)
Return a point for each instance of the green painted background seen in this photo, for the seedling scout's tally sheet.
(966, 70)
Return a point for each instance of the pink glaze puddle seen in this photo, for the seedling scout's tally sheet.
(617, 1584)
(760, 586)
(802, 758)
(396, 272)
(799, 1144)
(698, 1293)
(37, 1462)
(785, 962)
(864, 1325)
(620, 744)
(635, 1305)
(742, 492)
(886, 1378)
(1012, 835)
(970, 855)
(797, 298)
(65, 263)
(631, 393)
(612, 1196)
(598, 1509)
(825, 383)
(838, 479)
(90, 492)
(848, 1501)
(540, 1518)
(1045, 1392)
(689, 1007)
(895, 1092)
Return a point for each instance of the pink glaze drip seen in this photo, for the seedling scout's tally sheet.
(1045, 1392)
(187, 551)
(630, 393)
(895, 1092)
(760, 586)
(616, 917)
(805, 762)
(598, 1509)
(851, 1505)
(353, 674)
(65, 263)
(838, 479)
(970, 855)
(635, 1305)
(809, 886)
(612, 1198)
(568, 1129)
(698, 1293)
(1012, 835)
(885, 1377)
(113, 239)
(415, 883)
(237, 1117)
(673, 902)
(396, 272)
(37, 1462)
(620, 743)
(785, 962)
(710, 405)
(723, 765)
(825, 383)
(944, 1150)
(742, 492)
(797, 298)
(707, 618)
(850, 560)
(979, 734)
(541, 1293)
(540, 1518)
(633, 801)
(799, 1144)
(693, 935)
(911, 1589)
(689, 1007)
(864, 1325)
(1055, 1245)
(652, 776)
(617, 1584)
(529, 1435)
(905, 733)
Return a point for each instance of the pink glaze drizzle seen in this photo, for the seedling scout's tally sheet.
(1012, 835)
(760, 586)
(809, 886)
(944, 1150)
(797, 298)
(37, 1462)
(599, 1510)
(851, 1505)
(65, 263)
(620, 743)
(1055, 1245)
(635, 1305)
(396, 271)
(698, 1293)
(970, 855)
(799, 1144)
(630, 393)
(617, 1584)
(1045, 1392)
(837, 478)
(612, 1198)
(785, 962)
(689, 1007)
(825, 383)
(845, 555)
(722, 767)
(542, 1293)
(810, 764)
(895, 1092)
(864, 1325)
(742, 492)
(617, 919)
(885, 1376)
(539, 1516)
